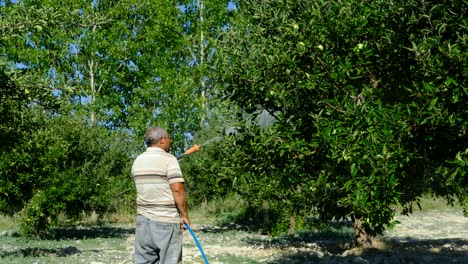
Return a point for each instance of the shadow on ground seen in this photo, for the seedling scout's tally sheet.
(335, 244)
(40, 252)
(68, 233)
(314, 249)
(88, 232)
(432, 251)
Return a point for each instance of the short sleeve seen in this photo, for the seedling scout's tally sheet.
(174, 173)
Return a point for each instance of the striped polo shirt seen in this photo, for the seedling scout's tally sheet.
(153, 171)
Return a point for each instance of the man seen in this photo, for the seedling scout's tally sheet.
(161, 204)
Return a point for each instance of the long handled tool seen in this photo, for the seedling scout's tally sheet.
(196, 147)
(189, 151)
(196, 242)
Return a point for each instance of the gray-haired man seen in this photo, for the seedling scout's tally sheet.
(161, 203)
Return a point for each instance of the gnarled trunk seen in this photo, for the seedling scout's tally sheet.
(360, 233)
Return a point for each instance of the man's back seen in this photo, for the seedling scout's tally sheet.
(152, 172)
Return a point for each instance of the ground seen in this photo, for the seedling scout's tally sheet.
(435, 236)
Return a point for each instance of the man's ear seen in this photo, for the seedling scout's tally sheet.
(163, 141)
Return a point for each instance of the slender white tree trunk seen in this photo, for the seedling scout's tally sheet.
(204, 100)
(92, 84)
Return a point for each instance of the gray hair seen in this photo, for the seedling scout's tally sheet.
(153, 135)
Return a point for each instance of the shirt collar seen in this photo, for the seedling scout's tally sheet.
(154, 149)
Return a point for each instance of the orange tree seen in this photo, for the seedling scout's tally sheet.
(369, 99)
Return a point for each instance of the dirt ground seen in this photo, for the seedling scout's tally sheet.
(423, 237)
(437, 236)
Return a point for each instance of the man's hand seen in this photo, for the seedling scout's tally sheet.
(184, 220)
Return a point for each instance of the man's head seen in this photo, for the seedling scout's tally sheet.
(157, 137)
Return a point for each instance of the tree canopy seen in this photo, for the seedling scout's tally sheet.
(369, 100)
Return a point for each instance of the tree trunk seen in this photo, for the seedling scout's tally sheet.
(360, 233)
(292, 225)
(93, 90)
(204, 103)
(92, 85)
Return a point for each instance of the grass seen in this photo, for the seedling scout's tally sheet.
(217, 211)
(7, 223)
(428, 203)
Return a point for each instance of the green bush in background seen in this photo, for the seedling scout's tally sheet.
(57, 166)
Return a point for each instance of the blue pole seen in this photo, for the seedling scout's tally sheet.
(196, 242)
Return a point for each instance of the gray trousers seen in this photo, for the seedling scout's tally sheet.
(157, 242)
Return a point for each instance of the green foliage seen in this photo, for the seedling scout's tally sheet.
(79, 67)
(33, 221)
(348, 109)
(118, 64)
(369, 101)
(20, 108)
(64, 167)
(202, 22)
(209, 173)
(452, 181)
(51, 165)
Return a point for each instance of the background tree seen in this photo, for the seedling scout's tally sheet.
(20, 101)
(369, 104)
(118, 64)
(51, 163)
(203, 22)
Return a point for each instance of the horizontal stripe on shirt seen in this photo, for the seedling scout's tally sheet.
(152, 206)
